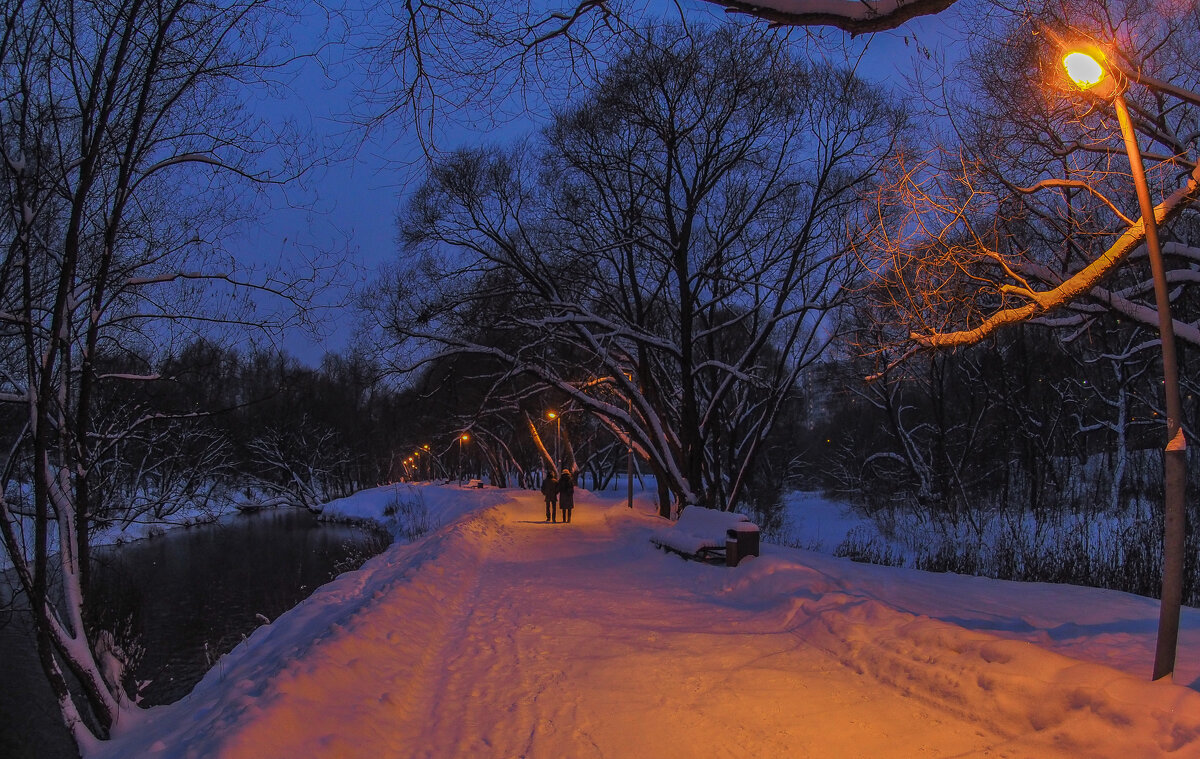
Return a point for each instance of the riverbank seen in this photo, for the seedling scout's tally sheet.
(501, 635)
(176, 603)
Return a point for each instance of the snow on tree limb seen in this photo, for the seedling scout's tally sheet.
(1073, 287)
(848, 15)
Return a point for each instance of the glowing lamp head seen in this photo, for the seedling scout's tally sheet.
(551, 415)
(1085, 71)
(465, 437)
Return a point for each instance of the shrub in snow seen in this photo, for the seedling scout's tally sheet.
(863, 545)
(408, 517)
(118, 652)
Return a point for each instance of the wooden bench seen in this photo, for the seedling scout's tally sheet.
(705, 534)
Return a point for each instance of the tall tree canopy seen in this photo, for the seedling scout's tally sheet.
(665, 255)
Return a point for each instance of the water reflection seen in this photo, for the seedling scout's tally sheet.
(182, 600)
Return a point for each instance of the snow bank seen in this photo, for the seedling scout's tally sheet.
(408, 511)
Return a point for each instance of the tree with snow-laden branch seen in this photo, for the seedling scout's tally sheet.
(673, 244)
(855, 16)
(1031, 216)
(119, 118)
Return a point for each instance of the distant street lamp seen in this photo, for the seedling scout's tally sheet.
(462, 439)
(1087, 70)
(557, 436)
(429, 462)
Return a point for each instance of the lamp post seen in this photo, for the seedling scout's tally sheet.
(629, 446)
(557, 436)
(461, 439)
(629, 455)
(1087, 70)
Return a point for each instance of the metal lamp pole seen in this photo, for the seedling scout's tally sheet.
(1088, 72)
(557, 437)
(462, 439)
(629, 455)
(629, 447)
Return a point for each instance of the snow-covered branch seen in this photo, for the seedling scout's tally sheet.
(854, 16)
(1075, 286)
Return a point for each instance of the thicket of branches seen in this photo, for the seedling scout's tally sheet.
(663, 257)
(1021, 424)
(253, 429)
(1021, 458)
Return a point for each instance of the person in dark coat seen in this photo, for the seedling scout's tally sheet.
(550, 491)
(566, 494)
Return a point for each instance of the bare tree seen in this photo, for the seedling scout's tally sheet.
(300, 466)
(117, 119)
(673, 245)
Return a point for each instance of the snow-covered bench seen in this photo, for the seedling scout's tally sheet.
(702, 533)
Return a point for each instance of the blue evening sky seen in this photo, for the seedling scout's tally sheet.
(350, 206)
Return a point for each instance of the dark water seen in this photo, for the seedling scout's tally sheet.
(180, 601)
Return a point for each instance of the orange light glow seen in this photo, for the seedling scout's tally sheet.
(551, 415)
(1085, 71)
(465, 437)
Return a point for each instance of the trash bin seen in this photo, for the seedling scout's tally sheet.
(740, 542)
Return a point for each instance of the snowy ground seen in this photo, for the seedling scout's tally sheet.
(500, 635)
(819, 524)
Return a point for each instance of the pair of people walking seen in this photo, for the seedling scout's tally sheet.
(559, 494)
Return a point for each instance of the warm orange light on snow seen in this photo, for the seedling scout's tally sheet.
(1085, 71)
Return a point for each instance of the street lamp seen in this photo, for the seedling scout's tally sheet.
(434, 460)
(1087, 70)
(461, 439)
(557, 436)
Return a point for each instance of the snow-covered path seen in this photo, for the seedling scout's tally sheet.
(504, 636)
